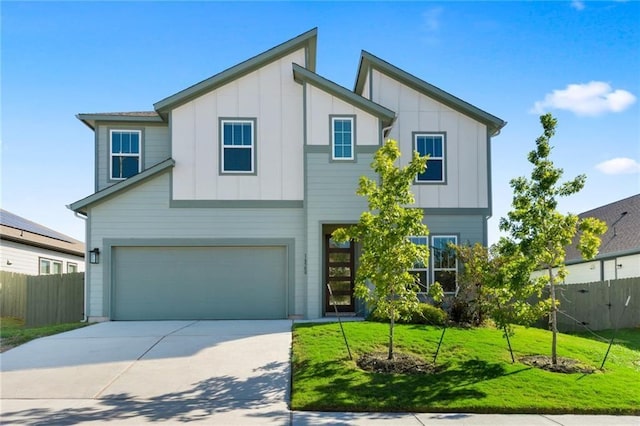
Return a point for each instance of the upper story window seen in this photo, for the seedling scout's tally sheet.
(445, 262)
(125, 153)
(238, 142)
(434, 146)
(342, 138)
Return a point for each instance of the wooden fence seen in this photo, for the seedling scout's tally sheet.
(599, 305)
(44, 299)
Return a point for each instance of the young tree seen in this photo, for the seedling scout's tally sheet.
(384, 231)
(538, 231)
(496, 282)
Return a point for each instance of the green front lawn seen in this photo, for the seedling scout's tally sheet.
(13, 331)
(477, 374)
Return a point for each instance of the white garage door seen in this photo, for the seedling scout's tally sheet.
(157, 283)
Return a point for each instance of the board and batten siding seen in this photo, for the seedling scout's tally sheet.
(156, 147)
(25, 259)
(143, 212)
(467, 184)
(321, 105)
(271, 97)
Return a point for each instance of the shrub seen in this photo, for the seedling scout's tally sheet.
(426, 314)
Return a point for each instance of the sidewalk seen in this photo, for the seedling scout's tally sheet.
(299, 418)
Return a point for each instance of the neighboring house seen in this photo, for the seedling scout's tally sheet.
(29, 248)
(220, 203)
(619, 255)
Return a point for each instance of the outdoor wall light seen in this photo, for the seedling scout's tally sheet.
(94, 256)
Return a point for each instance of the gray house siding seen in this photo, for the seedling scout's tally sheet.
(330, 199)
(143, 215)
(156, 147)
(469, 229)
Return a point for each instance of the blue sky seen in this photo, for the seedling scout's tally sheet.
(579, 60)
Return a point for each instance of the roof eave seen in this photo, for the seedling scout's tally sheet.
(90, 120)
(81, 205)
(301, 74)
(367, 61)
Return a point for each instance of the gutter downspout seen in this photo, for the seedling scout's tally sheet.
(84, 299)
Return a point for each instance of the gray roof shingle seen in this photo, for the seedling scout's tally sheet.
(623, 222)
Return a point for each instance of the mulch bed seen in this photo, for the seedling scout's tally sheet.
(564, 365)
(377, 362)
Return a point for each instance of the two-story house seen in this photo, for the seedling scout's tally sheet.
(220, 203)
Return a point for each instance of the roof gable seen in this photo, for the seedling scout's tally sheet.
(301, 75)
(368, 61)
(81, 205)
(306, 40)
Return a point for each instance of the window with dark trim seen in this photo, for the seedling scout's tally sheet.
(238, 146)
(125, 148)
(431, 144)
(445, 262)
(421, 271)
(342, 139)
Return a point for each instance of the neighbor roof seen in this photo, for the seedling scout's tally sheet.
(18, 229)
(623, 233)
(367, 61)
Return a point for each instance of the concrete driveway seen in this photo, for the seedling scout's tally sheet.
(213, 372)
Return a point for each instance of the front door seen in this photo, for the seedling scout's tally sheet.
(339, 274)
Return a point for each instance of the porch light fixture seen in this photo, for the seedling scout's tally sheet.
(94, 256)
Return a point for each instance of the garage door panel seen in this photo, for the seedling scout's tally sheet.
(199, 283)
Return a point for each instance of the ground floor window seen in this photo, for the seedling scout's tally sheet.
(49, 267)
(443, 263)
(72, 267)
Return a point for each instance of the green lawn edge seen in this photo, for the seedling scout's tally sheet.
(14, 333)
(477, 375)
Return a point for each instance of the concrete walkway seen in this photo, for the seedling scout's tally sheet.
(173, 372)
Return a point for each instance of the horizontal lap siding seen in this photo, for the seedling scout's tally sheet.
(331, 198)
(144, 212)
(25, 259)
(470, 229)
(156, 148)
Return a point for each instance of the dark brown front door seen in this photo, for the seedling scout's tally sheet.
(339, 274)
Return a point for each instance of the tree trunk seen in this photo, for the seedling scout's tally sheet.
(554, 318)
(391, 323)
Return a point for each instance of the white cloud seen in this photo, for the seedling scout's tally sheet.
(619, 166)
(432, 19)
(586, 99)
(577, 4)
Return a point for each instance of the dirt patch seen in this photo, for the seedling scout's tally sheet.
(402, 363)
(564, 365)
